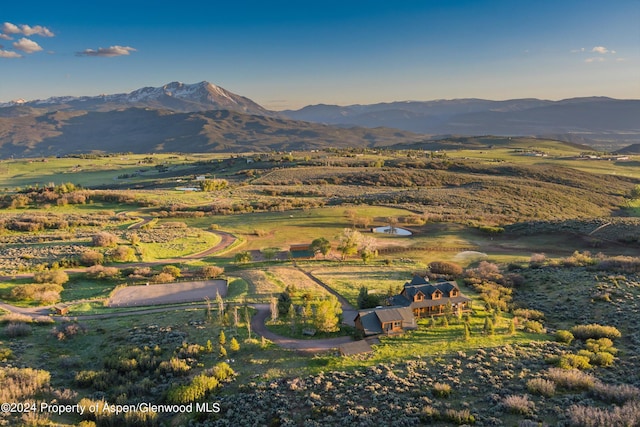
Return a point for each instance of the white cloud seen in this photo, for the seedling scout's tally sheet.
(9, 54)
(107, 51)
(27, 46)
(600, 49)
(596, 59)
(27, 30)
(10, 28)
(37, 30)
(5, 37)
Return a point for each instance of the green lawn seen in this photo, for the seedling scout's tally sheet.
(192, 242)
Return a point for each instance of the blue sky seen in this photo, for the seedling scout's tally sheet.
(287, 54)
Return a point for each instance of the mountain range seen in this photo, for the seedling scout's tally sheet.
(598, 121)
(204, 117)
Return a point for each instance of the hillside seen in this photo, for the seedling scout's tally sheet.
(596, 121)
(145, 130)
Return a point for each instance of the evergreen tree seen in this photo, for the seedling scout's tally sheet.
(445, 321)
(223, 352)
(488, 326)
(209, 347)
(284, 303)
(222, 339)
(233, 345)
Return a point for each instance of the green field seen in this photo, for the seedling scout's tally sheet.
(498, 202)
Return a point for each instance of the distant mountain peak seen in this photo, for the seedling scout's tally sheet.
(176, 96)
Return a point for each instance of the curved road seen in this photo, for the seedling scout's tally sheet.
(307, 346)
(257, 322)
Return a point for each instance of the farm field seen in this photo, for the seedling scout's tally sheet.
(539, 244)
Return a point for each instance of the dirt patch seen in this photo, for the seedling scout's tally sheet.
(169, 293)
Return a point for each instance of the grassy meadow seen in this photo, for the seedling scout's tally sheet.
(549, 236)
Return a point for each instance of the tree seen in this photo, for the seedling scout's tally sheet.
(220, 304)
(349, 241)
(512, 326)
(284, 304)
(367, 300)
(291, 314)
(247, 319)
(222, 353)
(467, 331)
(233, 345)
(488, 326)
(269, 253)
(213, 184)
(327, 318)
(222, 338)
(321, 245)
(367, 248)
(209, 347)
(243, 257)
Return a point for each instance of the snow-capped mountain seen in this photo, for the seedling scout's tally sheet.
(175, 96)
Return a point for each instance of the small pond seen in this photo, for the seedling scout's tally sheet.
(395, 231)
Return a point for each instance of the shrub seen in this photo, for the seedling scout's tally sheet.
(571, 361)
(163, 278)
(104, 239)
(174, 366)
(618, 416)
(529, 314)
(123, 254)
(15, 330)
(62, 332)
(58, 277)
(199, 387)
(615, 393)
(47, 293)
(518, 404)
(90, 258)
(541, 386)
(602, 358)
(595, 330)
(172, 270)
(444, 267)
(571, 379)
(459, 416)
(534, 326)
(211, 271)
(19, 383)
(601, 344)
(441, 390)
(101, 272)
(564, 336)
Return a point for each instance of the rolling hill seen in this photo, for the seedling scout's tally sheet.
(597, 121)
(141, 130)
